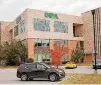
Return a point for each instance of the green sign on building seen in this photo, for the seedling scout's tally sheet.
(51, 15)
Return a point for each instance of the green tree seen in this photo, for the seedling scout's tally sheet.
(77, 54)
(12, 51)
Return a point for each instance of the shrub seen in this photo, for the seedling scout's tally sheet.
(30, 60)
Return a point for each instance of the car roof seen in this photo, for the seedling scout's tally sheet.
(30, 63)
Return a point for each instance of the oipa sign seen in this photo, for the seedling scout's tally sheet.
(51, 15)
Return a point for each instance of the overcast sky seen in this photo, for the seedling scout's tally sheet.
(10, 9)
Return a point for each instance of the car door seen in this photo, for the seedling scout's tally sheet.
(41, 71)
(32, 70)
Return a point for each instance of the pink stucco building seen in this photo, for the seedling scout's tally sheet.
(39, 30)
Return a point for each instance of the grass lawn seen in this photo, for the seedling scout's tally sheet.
(82, 79)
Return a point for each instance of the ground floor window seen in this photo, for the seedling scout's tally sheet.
(42, 49)
(40, 57)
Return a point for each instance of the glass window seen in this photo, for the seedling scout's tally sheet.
(65, 43)
(40, 66)
(23, 42)
(41, 25)
(16, 31)
(18, 19)
(22, 27)
(35, 57)
(60, 27)
(35, 42)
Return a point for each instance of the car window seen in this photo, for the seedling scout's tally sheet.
(31, 66)
(41, 67)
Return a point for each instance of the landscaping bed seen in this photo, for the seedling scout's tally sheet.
(82, 79)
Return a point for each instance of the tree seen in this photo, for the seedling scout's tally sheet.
(12, 51)
(77, 54)
(57, 53)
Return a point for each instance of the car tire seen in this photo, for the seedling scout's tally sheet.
(66, 67)
(24, 77)
(53, 77)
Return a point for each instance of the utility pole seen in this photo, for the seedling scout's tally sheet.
(94, 20)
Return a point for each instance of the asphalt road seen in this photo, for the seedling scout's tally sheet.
(8, 76)
(83, 70)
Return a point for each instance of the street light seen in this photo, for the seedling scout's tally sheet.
(94, 18)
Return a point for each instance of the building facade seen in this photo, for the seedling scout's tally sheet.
(40, 30)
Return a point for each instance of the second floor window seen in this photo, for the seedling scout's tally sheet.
(22, 27)
(41, 25)
(16, 31)
(60, 27)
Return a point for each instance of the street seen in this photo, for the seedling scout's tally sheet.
(8, 76)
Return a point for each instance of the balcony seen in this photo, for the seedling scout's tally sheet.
(77, 30)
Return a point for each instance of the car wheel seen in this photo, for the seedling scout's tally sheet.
(52, 77)
(66, 67)
(24, 77)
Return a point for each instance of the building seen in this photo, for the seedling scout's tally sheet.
(39, 30)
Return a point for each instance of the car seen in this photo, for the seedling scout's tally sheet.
(29, 71)
(70, 65)
(98, 64)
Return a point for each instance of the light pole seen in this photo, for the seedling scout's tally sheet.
(94, 18)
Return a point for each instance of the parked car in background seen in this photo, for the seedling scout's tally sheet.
(70, 65)
(98, 63)
(29, 71)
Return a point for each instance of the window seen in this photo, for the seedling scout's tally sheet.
(22, 27)
(31, 66)
(23, 42)
(41, 67)
(60, 27)
(41, 25)
(18, 19)
(61, 42)
(16, 31)
(41, 42)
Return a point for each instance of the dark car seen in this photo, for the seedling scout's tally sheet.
(29, 71)
(98, 64)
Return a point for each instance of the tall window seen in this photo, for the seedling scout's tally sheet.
(16, 31)
(41, 25)
(22, 27)
(61, 42)
(60, 27)
(18, 19)
(23, 42)
(41, 49)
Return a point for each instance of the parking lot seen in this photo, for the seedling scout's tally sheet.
(8, 76)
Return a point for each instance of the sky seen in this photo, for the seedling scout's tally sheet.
(10, 9)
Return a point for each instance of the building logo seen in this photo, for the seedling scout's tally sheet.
(51, 15)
